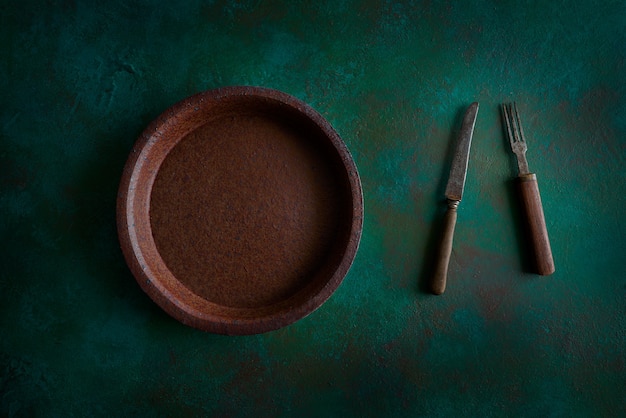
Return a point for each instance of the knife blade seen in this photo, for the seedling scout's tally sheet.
(454, 193)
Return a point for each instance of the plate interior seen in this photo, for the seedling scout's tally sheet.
(252, 207)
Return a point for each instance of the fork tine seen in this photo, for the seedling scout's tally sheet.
(519, 123)
(516, 134)
(507, 120)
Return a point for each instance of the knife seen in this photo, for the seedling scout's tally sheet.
(454, 193)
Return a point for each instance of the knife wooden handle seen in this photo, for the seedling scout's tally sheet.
(445, 249)
(536, 223)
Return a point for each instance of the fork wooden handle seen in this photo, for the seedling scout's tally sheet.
(440, 275)
(536, 223)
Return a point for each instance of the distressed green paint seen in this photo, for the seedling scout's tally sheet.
(79, 82)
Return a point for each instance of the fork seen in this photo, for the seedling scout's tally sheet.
(529, 192)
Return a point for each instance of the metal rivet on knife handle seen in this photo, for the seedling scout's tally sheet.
(529, 193)
(454, 193)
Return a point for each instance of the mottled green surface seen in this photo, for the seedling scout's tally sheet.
(79, 82)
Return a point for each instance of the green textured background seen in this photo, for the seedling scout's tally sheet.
(80, 80)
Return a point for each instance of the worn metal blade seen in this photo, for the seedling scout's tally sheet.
(456, 182)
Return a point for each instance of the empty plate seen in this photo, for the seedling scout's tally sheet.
(240, 210)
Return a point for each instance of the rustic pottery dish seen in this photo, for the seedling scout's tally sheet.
(239, 210)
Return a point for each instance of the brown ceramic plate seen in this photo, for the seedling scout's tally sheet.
(240, 210)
